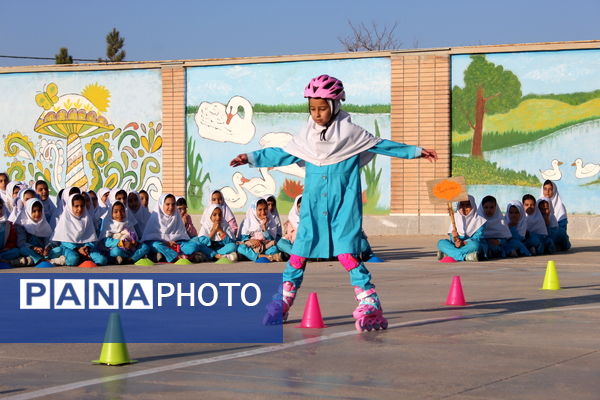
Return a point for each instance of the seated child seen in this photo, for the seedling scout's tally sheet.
(187, 218)
(290, 227)
(33, 233)
(8, 237)
(536, 239)
(545, 206)
(216, 239)
(140, 212)
(216, 197)
(120, 238)
(76, 235)
(165, 232)
(258, 233)
(103, 194)
(144, 199)
(464, 243)
(272, 208)
(559, 234)
(12, 191)
(496, 232)
(41, 188)
(4, 180)
(515, 220)
(24, 195)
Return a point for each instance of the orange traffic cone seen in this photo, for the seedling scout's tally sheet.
(312, 317)
(456, 296)
(87, 264)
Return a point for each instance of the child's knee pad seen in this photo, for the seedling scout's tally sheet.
(348, 261)
(297, 261)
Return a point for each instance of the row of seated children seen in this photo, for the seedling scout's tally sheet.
(115, 226)
(529, 227)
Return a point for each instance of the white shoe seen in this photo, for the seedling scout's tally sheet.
(233, 257)
(472, 257)
(59, 261)
(440, 255)
(119, 260)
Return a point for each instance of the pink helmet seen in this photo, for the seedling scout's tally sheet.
(325, 87)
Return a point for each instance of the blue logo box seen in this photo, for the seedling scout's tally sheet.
(154, 308)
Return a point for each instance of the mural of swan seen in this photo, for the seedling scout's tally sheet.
(585, 171)
(260, 187)
(235, 197)
(225, 123)
(280, 139)
(554, 173)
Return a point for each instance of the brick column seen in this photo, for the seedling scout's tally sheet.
(173, 118)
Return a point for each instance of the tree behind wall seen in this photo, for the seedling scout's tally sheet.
(370, 38)
(489, 89)
(63, 56)
(114, 46)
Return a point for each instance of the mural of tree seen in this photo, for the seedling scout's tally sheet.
(489, 89)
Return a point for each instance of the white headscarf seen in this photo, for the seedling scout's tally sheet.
(10, 187)
(227, 213)
(19, 204)
(495, 228)
(40, 228)
(252, 224)
(161, 226)
(294, 214)
(535, 222)
(112, 199)
(559, 209)
(49, 208)
(467, 225)
(343, 139)
(110, 226)
(103, 207)
(553, 220)
(72, 229)
(522, 224)
(206, 223)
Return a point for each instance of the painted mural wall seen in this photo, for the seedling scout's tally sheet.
(521, 118)
(242, 108)
(89, 129)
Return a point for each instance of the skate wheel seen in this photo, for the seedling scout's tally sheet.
(358, 326)
(376, 326)
(384, 324)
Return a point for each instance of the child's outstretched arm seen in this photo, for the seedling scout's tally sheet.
(401, 150)
(269, 157)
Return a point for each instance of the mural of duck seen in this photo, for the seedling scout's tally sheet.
(226, 123)
(235, 197)
(588, 170)
(280, 139)
(554, 173)
(260, 187)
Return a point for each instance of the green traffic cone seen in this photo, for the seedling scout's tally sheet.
(183, 261)
(224, 260)
(145, 262)
(114, 350)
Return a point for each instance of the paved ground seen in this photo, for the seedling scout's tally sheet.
(513, 341)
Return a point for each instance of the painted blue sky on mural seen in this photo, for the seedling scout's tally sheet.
(367, 82)
(543, 72)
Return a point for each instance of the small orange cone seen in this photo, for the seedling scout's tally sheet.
(87, 264)
(456, 296)
(312, 317)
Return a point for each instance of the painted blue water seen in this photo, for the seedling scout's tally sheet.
(578, 141)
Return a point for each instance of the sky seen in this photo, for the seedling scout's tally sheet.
(184, 29)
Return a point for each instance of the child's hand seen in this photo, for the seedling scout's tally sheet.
(127, 244)
(38, 250)
(171, 244)
(84, 251)
(458, 243)
(429, 155)
(241, 159)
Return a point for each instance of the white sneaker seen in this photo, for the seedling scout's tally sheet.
(119, 260)
(59, 261)
(233, 257)
(440, 255)
(472, 257)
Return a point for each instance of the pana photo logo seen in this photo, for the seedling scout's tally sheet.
(154, 308)
(134, 294)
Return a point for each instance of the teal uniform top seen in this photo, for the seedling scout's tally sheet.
(331, 212)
